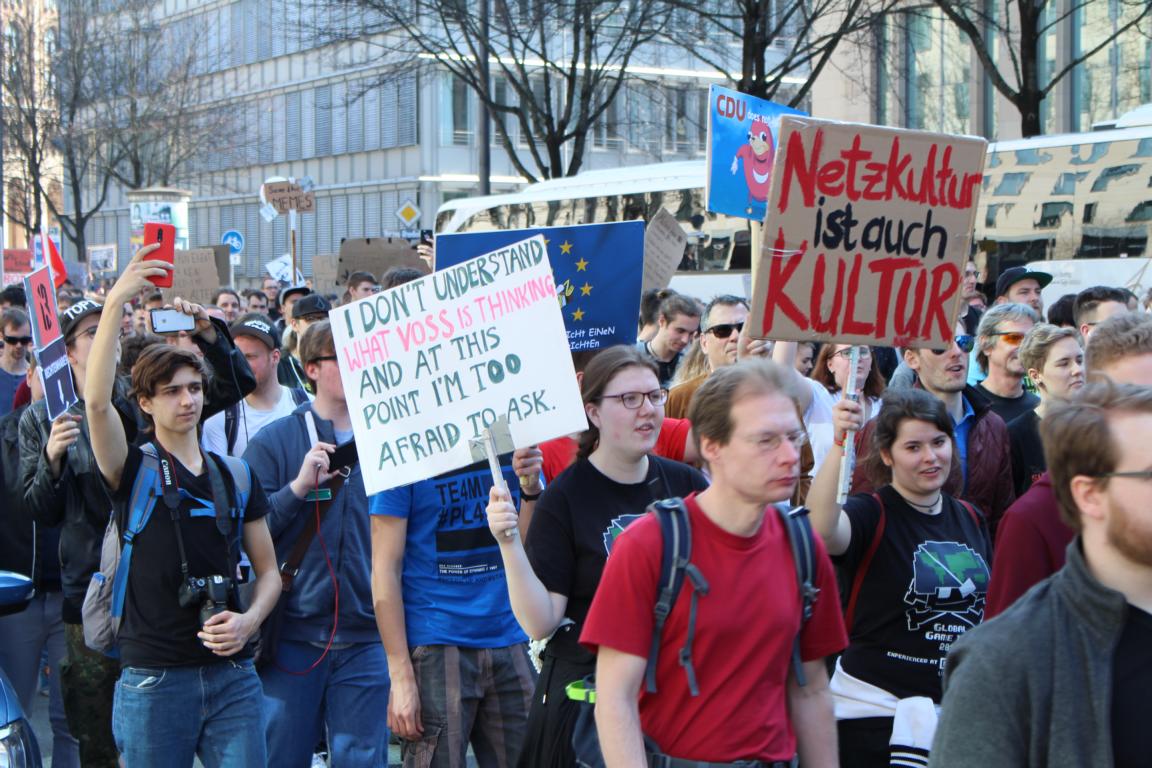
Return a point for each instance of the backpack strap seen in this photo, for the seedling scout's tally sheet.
(231, 426)
(299, 395)
(674, 565)
(865, 563)
(977, 518)
(141, 502)
(800, 535)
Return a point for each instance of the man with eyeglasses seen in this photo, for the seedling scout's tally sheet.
(744, 704)
(982, 469)
(14, 360)
(998, 353)
(1062, 678)
(719, 339)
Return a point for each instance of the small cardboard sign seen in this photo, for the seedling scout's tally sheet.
(376, 255)
(102, 258)
(56, 376)
(742, 133)
(326, 273)
(41, 294)
(195, 277)
(287, 196)
(664, 243)
(428, 365)
(867, 232)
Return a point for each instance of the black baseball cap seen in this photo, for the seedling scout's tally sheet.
(257, 329)
(292, 290)
(311, 304)
(1010, 277)
(71, 317)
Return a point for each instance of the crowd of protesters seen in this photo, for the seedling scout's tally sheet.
(1003, 474)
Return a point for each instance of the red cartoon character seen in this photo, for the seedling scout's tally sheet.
(757, 155)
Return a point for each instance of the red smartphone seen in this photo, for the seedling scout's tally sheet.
(165, 234)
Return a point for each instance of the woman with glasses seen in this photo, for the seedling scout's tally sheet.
(553, 574)
(915, 562)
(1054, 360)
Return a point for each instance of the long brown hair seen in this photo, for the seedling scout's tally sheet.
(598, 374)
(873, 385)
(902, 404)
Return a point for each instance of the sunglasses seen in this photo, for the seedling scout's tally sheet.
(17, 339)
(1012, 337)
(966, 344)
(724, 330)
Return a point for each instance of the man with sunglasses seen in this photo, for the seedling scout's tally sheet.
(998, 353)
(1062, 677)
(14, 360)
(719, 339)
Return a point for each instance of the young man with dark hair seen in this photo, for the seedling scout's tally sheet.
(329, 673)
(229, 302)
(1018, 285)
(1061, 313)
(1095, 305)
(12, 297)
(187, 683)
(678, 324)
(1062, 677)
(256, 301)
(750, 708)
(14, 358)
(361, 285)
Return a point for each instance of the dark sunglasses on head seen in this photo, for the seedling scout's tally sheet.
(724, 330)
(17, 339)
(966, 344)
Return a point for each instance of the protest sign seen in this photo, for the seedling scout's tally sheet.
(56, 376)
(597, 267)
(41, 296)
(866, 236)
(102, 258)
(664, 242)
(376, 255)
(287, 196)
(280, 268)
(326, 273)
(742, 132)
(194, 276)
(428, 365)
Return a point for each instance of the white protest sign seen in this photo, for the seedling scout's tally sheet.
(428, 365)
(664, 241)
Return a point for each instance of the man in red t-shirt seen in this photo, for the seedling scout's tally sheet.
(749, 706)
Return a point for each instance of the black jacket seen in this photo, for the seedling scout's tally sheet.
(24, 546)
(77, 501)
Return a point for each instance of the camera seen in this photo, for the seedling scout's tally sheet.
(210, 592)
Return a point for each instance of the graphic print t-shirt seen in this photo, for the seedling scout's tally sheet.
(924, 588)
(579, 517)
(454, 588)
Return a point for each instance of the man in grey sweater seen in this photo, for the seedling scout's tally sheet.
(1064, 676)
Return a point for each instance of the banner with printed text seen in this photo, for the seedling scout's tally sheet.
(866, 235)
(428, 365)
(598, 270)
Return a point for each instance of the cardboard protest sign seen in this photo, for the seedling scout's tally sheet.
(326, 273)
(287, 196)
(428, 365)
(597, 267)
(41, 295)
(664, 243)
(376, 255)
(866, 236)
(280, 268)
(194, 276)
(742, 133)
(56, 376)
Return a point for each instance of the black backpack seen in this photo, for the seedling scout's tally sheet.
(232, 417)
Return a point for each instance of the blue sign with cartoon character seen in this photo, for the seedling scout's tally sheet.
(742, 133)
(597, 267)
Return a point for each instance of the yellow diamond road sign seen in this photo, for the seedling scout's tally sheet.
(408, 214)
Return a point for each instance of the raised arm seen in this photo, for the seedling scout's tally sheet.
(784, 354)
(827, 516)
(106, 431)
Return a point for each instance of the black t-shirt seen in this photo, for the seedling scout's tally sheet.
(156, 631)
(1009, 408)
(580, 515)
(1027, 451)
(924, 588)
(1131, 682)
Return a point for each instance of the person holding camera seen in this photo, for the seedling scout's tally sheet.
(326, 674)
(187, 683)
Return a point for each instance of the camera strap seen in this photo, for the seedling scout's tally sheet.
(171, 492)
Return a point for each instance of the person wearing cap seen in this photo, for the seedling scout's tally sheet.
(1019, 285)
(228, 432)
(287, 298)
(305, 310)
(63, 488)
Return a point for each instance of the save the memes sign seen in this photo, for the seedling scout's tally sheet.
(428, 365)
(866, 235)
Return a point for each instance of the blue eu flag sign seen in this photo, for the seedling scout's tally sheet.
(598, 269)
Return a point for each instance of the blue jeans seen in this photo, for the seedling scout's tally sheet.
(344, 698)
(24, 636)
(167, 716)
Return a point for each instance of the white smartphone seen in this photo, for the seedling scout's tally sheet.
(171, 321)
